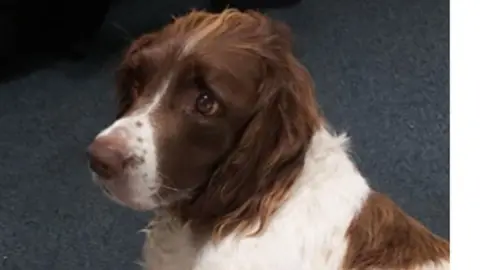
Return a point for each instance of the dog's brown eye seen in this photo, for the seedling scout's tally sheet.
(206, 104)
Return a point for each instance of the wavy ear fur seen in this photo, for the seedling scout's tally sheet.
(255, 178)
(126, 74)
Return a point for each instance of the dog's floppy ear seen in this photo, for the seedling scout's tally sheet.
(256, 176)
(126, 74)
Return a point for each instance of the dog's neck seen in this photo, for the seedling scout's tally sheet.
(327, 166)
(331, 213)
(326, 160)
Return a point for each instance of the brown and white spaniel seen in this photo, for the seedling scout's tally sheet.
(219, 134)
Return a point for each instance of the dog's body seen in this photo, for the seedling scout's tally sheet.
(219, 134)
(311, 230)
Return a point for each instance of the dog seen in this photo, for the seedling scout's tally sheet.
(219, 134)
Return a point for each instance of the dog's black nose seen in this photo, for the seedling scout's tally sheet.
(107, 155)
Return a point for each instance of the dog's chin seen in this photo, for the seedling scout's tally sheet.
(134, 203)
(124, 196)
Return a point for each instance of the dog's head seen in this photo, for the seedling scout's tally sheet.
(214, 118)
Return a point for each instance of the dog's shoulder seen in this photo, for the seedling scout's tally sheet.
(383, 236)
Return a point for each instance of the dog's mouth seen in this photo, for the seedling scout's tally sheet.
(121, 195)
(105, 190)
(103, 187)
(111, 195)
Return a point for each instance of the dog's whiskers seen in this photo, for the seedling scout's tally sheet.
(172, 197)
(170, 188)
(164, 177)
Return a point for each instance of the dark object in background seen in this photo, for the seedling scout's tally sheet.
(7, 27)
(218, 5)
(39, 26)
(34, 30)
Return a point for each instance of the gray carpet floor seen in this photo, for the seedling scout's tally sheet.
(381, 69)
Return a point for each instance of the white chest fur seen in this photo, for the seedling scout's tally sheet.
(307, 233)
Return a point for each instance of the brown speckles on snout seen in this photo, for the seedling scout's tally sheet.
(138, 124)
(136, 161)
(140, 140)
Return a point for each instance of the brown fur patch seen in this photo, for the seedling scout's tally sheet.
(255, 177)
(243, 161)
(383, 236)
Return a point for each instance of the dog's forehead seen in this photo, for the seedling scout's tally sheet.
(227, 62)
(231, 72)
